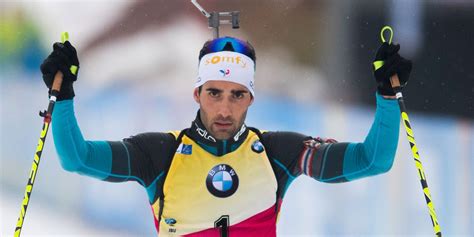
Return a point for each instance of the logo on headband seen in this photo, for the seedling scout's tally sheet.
(225, 72)
(226, 59)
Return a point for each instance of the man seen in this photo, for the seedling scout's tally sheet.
(219, 177)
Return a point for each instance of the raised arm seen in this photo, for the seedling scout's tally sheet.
(141, 158)
(348, 161)
(329, 161)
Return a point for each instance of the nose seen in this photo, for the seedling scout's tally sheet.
(225, 109)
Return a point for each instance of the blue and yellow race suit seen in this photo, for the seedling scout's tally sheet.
(201, 186)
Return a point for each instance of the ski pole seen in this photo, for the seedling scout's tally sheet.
(58, 79)
(395, 82)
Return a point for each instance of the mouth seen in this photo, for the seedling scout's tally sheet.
(222, 125)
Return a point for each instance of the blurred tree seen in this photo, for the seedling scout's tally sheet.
(19, 42)
(339, 38)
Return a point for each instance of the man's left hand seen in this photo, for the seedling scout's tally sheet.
(393, 64)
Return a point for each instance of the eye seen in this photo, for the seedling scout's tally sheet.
(213, 94)
(239, 95)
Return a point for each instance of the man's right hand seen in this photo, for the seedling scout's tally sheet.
(64, 59)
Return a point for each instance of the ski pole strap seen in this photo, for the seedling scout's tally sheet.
(64, 36)
(379, 64)
(382, 33)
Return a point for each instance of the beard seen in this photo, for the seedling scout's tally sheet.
(222, 128)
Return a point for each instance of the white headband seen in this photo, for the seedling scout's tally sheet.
(227, 66)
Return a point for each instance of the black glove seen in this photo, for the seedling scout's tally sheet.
(64, 59)
(393, 64)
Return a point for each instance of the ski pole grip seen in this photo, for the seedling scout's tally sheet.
(395, 81)
(58, 80)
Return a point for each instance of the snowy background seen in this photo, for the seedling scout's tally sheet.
(138, 64)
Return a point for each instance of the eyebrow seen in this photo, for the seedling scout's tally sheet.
(214, 90)
(238, 91)
(232, 91)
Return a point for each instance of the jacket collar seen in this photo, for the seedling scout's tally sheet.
(201, 136)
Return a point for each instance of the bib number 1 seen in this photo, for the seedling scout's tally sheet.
(223, 224)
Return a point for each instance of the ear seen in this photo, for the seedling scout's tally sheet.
(251, 100)
(196, 95)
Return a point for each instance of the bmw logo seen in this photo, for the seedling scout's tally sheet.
(170, 221)
(257, 146)
(222, 181)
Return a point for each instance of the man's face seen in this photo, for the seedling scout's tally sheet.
(223, 107)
